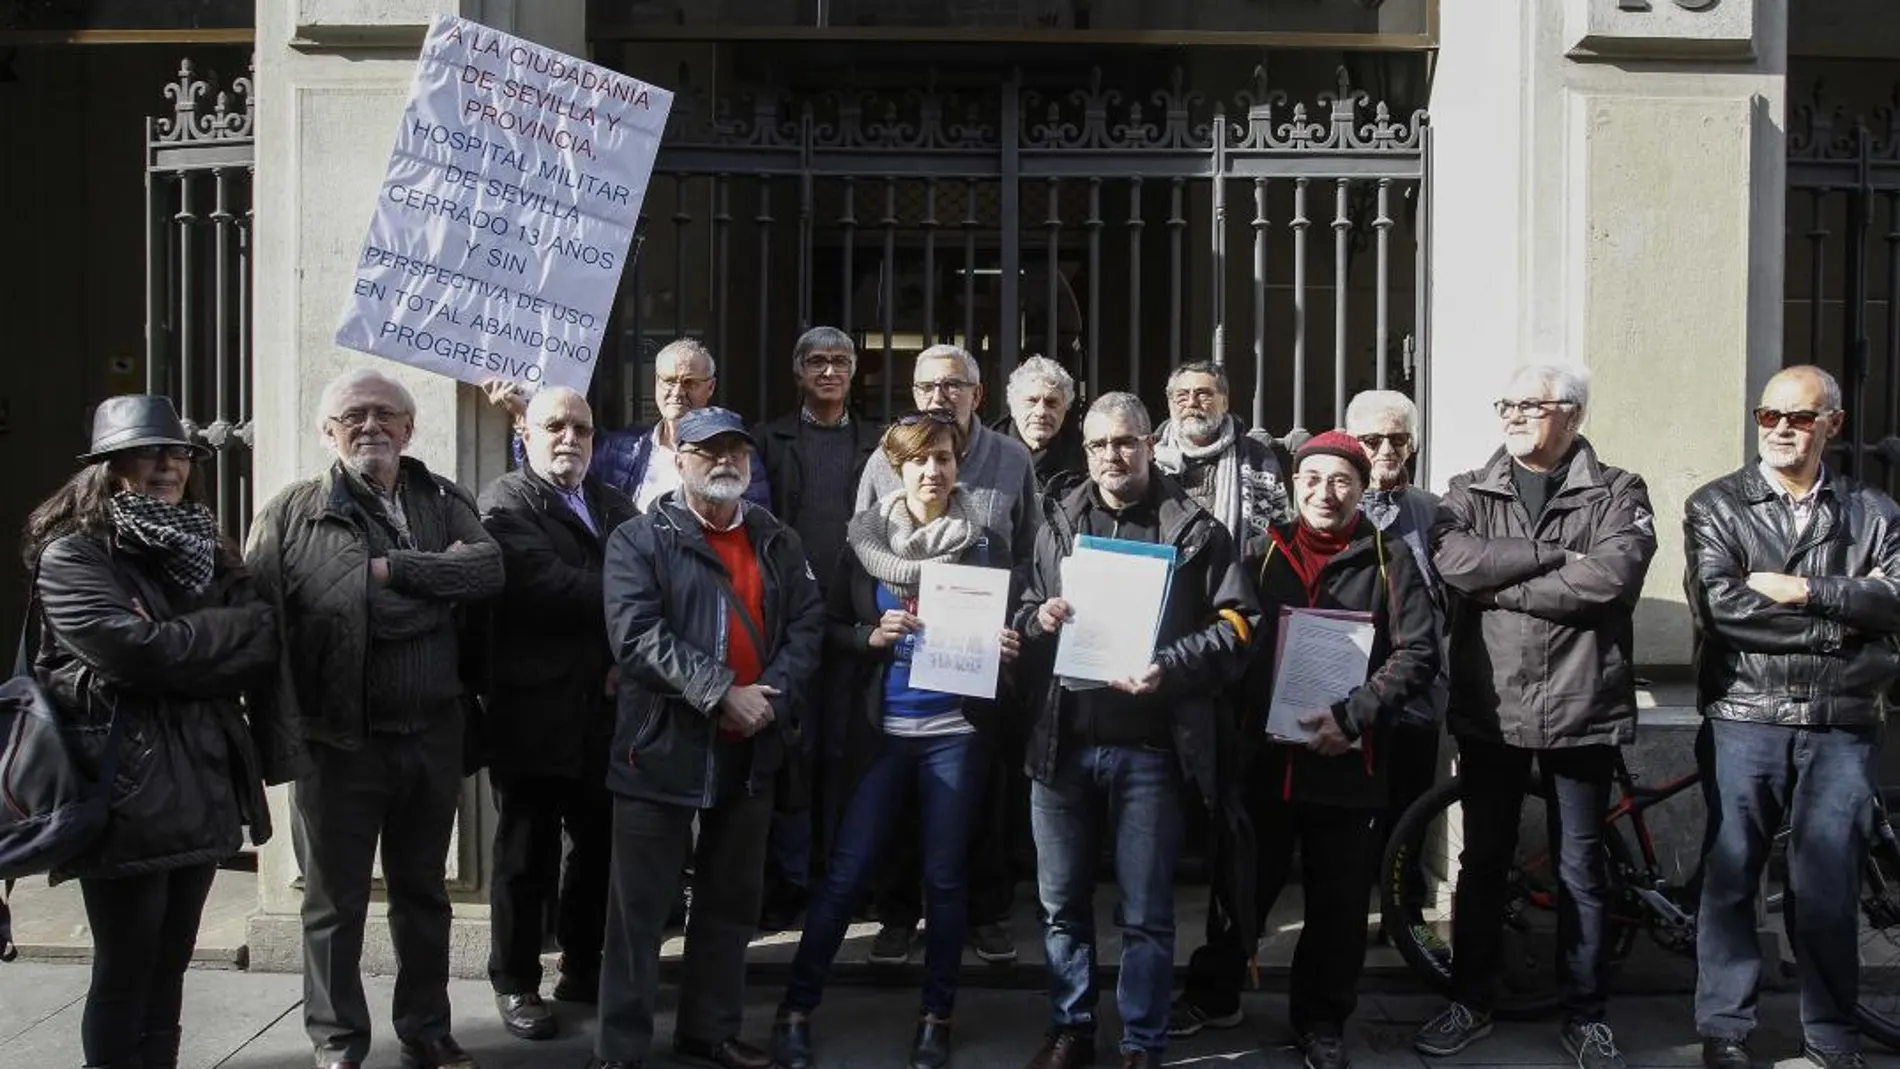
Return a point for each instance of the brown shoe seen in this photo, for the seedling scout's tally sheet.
(1138, 1059)
(731, 1054)
(1064, 1050)
(444, 1053)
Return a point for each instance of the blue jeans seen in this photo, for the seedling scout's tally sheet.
(1822, 779)
(1141, 791)
(948, 781)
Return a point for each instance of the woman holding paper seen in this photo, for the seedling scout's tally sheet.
(900, 738)
(1314, 769)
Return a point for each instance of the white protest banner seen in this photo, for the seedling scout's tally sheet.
(506, 214)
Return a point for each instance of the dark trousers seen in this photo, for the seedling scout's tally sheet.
(1411, 769)
(1334, 845)
(1576, 800)
(144, 929)
(403, 790)
(1822, 781)
(1002, 805)
(939, 775)
(527, 874)
(651, 844)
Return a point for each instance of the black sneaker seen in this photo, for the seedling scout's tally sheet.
(1593, 1045)
(892, 946)
(1451, 1031)
(1725, 1054)
(1324, 1051)
(1186, 1018)
(993, 943)
(1834, 1059)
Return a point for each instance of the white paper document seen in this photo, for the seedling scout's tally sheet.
(1320, 658)
(1116, 599)
(963, 610)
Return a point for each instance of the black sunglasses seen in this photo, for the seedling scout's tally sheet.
(1803, 420)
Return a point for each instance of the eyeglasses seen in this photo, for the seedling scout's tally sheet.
(1338, 484)
(356, 417)
(715, 449)
(949, 387)
(580, 430)
(817, 363)
(1200, 394)
(1529, 408)
(1375, 442)
(162, 452)
(1126, 445)
(679, 383)
(1801, 420)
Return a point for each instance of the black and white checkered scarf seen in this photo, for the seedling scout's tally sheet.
(182, 538)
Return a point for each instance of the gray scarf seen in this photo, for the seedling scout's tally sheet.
(1173, 452)
(894, 549)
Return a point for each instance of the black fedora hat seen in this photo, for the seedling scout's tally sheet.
(132, 420)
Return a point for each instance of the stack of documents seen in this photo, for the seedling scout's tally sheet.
(963, 610)
(1322, 656)
(1116, 590)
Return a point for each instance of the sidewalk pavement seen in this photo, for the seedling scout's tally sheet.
(238, 1020)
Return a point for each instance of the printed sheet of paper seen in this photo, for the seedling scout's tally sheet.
(1116, 598)
(963, 610)
(1322, 655)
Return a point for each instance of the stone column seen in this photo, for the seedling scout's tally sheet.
(1608, 189)
(332, 78)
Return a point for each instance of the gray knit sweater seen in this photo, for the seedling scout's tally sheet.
(1000, 477)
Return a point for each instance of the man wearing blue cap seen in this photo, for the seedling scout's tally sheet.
(715, 621)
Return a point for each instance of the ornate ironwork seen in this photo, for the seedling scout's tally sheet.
(231, 117)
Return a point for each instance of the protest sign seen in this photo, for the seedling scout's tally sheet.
(506, 213)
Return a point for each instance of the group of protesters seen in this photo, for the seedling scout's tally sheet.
(684, 654)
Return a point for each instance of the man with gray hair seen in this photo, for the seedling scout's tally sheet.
(1000, 478)
(1238, 476)
(639, 462)
(549, 711)
(366, 565)
(1040, 394)
(1543, 551)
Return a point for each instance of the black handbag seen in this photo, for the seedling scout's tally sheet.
(51, 810)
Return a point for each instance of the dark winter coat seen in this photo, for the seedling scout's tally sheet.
(547, 710)
(778, 460)
(1827, 663)
(119, 638)
(667, 628)
(1373, 574)
(1062, 465)
(1542, 614)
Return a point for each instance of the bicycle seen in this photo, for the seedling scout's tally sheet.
(1416, 891)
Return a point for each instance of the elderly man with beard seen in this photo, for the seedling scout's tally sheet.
(365, 565)
(1237, 476)
(549, 711)
(639, 462)
(715, 622)
(1794, 582)
(1040, 394)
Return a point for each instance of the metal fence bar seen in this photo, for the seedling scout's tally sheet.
(722, 262)
(1299, 224)
(186, 222)
(929, 225)
(764, 221)
(970, 223)
(1134, 281)
(1342, 248)
(1854, 342)
(1177, 227)
(887, 291)
(1382, 290)
(1094, 384)
(1260, 302)
(848, 224)
(1053, 224)
(1008, 290)
(1893, 326)
(681, 220)
(221, 217)
(1217, 241)
(1817, 236)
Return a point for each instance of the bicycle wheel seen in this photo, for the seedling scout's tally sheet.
(1879, 1007)
(1416, 889)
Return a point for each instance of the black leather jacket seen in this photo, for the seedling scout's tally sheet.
(1827, 663)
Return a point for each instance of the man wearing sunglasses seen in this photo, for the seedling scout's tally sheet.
(1794, 583)
(1543, 552)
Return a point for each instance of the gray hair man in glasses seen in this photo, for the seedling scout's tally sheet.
(366, 565)
(1543, 551)
(1000, 476)
(1794, 583)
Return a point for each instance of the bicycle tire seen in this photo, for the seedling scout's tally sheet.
(1397, 873)
(1880, 907)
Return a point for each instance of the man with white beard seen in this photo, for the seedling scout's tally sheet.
(714, 620)
(1237, 476)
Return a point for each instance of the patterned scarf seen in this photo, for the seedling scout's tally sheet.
(894, 549)
(1231, 497)
(182, 538)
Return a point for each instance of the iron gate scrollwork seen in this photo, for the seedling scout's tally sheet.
(1093, 223)
(198, 176)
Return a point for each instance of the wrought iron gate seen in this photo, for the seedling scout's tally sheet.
(1118, 230)
(1843, 303)
(198, 172)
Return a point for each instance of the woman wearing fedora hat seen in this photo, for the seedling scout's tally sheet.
(150, 633)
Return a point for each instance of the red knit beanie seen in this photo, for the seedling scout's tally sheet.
(1336, 443)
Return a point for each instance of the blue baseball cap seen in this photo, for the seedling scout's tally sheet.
(705, 424)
